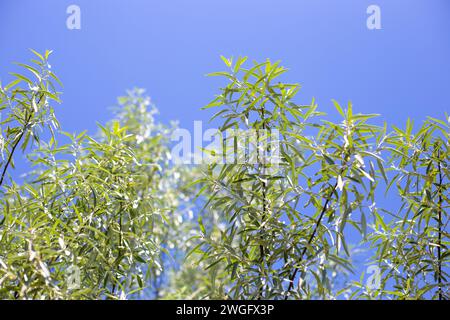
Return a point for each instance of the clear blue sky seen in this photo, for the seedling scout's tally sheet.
(167, 47)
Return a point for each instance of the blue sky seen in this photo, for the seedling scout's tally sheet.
(167, 47)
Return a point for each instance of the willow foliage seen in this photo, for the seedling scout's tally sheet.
(95, 216)
(279, 211)
(411, 245)
(286, 223)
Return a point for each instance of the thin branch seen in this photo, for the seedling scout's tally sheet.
(311, 237)
(264, 195)
(8, 162)
(439, 227)
(24, 129)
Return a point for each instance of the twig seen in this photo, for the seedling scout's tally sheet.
(25, 126)
(8, 162)
(311, 237)
(439, 227)
(264, 196)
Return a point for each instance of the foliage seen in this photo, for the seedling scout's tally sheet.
(411, 246)
(278, 212)
(91, 218)
(285, 234)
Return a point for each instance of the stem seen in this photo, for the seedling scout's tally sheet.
(264, 201)
(24, 129)
(8, 162)
(439, 227)
(311, 237)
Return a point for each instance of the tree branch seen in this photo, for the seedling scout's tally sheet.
(439, 227)
(8, 162)
(264, 195)
(311, 237)
(25, 126)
